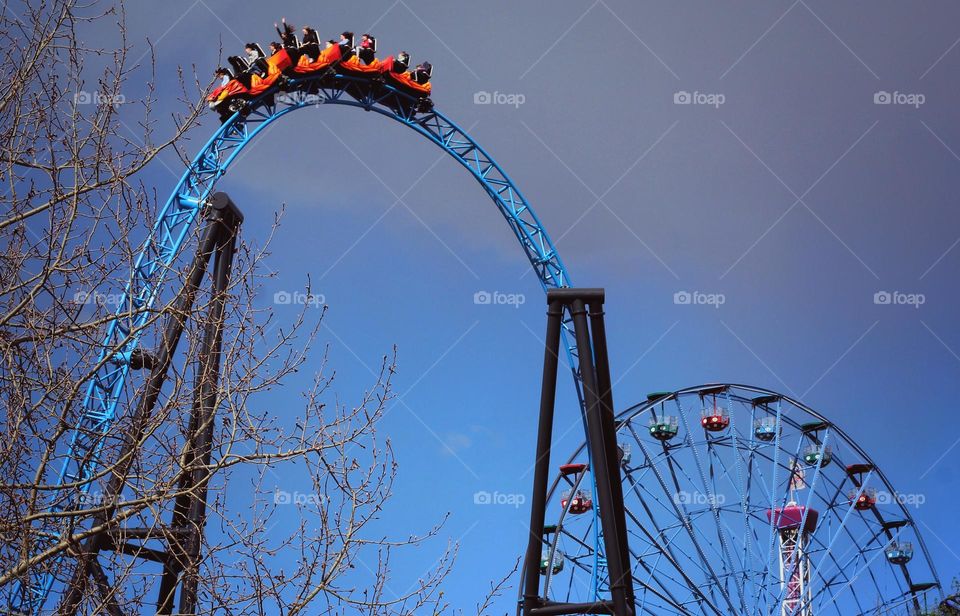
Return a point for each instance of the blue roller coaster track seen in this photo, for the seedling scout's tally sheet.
(101, 404)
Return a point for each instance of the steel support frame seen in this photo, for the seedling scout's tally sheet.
(585, 307)
(183, 537)
(101, 407)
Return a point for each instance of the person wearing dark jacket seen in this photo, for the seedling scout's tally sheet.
(423, 72)
(401, 63)
(310, 44)
(239, 68)
(288, 34)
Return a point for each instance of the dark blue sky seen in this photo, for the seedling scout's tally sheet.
(796, 197)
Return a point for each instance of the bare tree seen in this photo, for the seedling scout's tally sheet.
(74, 213)
(950, 606)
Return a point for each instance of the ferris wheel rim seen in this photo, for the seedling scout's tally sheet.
(624, 417)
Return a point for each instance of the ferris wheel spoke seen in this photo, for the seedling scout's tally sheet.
(852, 579)
(762, 591)
(743, 504)
(825, 585)
(749, 532)
(775, 490)
(664, 551)
(741, 509)
(752, 510)
(711, 502)
(683, 521)
(669, 600)
(636, 489)
(862, 555)
(574, 558)
(795, 475)
(846, 516)
(831, 506)
(860, 550)
(660, 589)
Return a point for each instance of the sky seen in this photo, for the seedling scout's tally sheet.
(789, 166)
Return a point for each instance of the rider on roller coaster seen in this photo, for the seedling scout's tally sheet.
(310, 46)
(256, 74)
(288, 34)
(346, 44)
(368, 48)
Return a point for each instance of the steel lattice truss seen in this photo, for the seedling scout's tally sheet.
(101, 404)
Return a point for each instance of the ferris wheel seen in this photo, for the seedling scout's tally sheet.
(740, 500)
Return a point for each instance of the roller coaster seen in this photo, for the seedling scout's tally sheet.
(722, 499)
(336, 60)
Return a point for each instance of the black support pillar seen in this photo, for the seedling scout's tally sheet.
(182, 538)
(585, 307)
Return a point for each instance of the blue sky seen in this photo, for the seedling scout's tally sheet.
(795, 196)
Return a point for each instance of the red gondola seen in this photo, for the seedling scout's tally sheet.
(715, 419)
(579, 502)
(866, 500)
